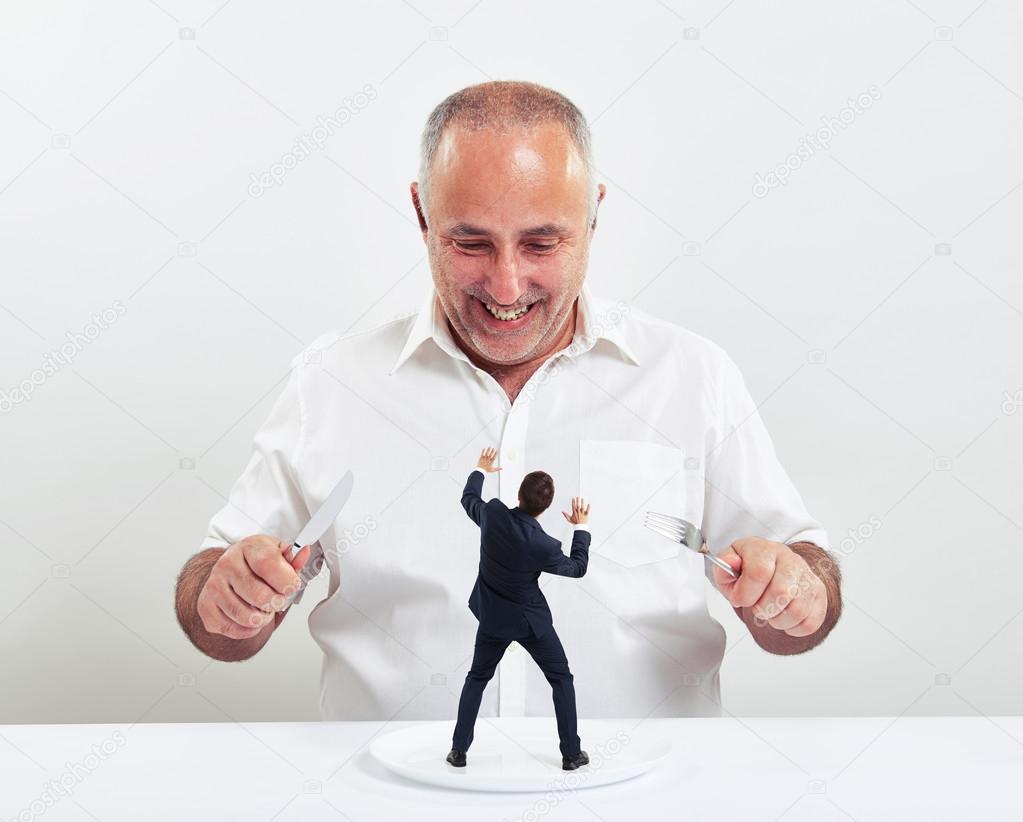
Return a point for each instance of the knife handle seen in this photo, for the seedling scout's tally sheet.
(295, 548)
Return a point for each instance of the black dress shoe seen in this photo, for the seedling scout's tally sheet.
(456, 758)
(570, 763)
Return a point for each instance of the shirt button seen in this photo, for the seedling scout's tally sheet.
(511, 454)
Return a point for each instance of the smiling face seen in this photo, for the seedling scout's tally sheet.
(508, 231)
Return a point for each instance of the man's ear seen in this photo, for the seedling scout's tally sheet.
(414, 189)
(601, 191)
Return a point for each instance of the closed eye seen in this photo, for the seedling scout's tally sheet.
(537, 248)
(468, 246)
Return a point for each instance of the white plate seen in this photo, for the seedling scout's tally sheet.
(519, 754)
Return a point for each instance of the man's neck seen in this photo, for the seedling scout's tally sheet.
(512, 377)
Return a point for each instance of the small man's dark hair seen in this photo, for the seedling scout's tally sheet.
(536, 492)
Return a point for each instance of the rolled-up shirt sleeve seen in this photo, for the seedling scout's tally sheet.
(747, 491)
(266, 498)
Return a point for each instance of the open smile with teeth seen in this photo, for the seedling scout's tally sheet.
(508, 315)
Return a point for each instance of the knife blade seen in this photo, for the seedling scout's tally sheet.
(325, 515)
(316, 528)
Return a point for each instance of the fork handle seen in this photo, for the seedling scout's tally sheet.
(720, 563)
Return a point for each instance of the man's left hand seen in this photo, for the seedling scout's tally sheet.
(486, 461)
(776, 583)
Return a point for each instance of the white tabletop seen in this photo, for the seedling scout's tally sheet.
(819, 769)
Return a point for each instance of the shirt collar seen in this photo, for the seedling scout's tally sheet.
(599, 318)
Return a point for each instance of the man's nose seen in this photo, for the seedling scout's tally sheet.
(504, 284)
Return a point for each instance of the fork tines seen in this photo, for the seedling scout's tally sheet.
(667, 519)
(668, 526)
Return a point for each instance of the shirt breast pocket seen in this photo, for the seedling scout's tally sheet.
(622, 480)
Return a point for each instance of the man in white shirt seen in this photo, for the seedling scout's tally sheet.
(511, 346)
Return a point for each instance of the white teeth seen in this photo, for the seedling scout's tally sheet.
(506, 315)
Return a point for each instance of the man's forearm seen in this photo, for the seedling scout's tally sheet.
(776, 641)
(190, 582)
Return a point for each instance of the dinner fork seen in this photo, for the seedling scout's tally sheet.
(687, 534)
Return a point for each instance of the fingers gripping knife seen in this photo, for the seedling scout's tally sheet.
(685, 533)
(320, 522)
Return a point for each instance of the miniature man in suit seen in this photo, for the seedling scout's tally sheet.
(509, 604)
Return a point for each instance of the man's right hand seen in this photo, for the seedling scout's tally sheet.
(580, 511)
(250, 582)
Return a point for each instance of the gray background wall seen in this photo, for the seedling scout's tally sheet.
(874, 301)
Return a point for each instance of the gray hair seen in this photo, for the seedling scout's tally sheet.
(503, 105)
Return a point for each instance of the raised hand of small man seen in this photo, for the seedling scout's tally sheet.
(486, 461)
(580, 511)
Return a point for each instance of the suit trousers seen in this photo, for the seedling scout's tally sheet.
(548, 653)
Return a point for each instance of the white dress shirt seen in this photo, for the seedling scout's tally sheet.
(636, 414)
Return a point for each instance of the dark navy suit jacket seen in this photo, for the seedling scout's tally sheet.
(514, 550)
